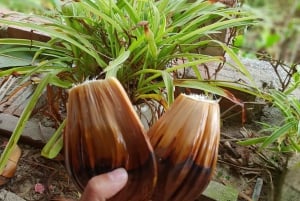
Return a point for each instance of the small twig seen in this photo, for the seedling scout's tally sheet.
(241, 167)
(229, 137)
(288, 78)
(273, 165)
(229, 109)
(37, 164)
(229, 140)
(207, 71)
(244, 196)
(228, 146)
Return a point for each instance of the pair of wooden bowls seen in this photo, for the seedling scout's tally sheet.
(173, 161)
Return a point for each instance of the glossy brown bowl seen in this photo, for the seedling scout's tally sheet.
(103, 133)
(185, 141)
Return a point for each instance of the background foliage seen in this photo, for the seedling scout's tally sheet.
(276, 39)
(138, 42)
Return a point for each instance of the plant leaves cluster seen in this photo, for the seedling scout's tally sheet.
(284, 137)
(135, 41)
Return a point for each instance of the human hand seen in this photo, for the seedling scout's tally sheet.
(105, 186)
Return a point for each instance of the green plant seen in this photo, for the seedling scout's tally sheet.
(286, 136)
(135, 41)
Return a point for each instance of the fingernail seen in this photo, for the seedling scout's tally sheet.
(119, 174)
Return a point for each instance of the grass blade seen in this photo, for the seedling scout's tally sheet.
(55, 144)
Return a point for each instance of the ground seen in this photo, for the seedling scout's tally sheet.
(244, 168)
(38, 178)
(241, 167)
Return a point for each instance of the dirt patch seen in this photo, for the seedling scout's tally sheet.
(38, 178)
(244, 167)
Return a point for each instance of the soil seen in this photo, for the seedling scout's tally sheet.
(243, 167)
(38, 178)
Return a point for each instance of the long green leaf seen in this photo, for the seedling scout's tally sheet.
(113, 67)
(104, 16)
(240, 66)
(55, 144)
(30, 43)
(283, 130)
(217, 26)
(168, 80)
(241, 87)
(84, 44)
(252, 141)
(208, 87)
(295, 145)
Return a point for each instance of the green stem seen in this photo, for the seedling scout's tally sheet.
(55, 144)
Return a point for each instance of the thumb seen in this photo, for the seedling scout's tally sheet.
(104, 186)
